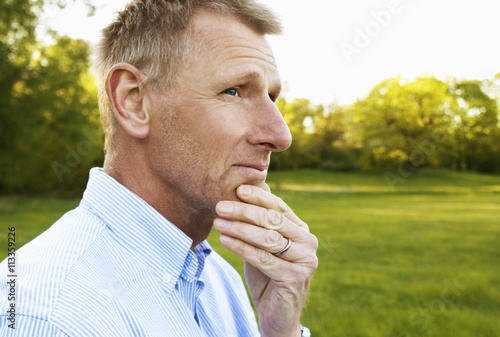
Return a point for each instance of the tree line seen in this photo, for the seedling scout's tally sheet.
(49, 130)
(425, 122)
(50, 134)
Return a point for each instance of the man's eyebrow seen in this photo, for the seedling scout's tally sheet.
(275, 85)
(241, 77)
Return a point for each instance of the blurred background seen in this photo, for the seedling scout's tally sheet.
(395, 162)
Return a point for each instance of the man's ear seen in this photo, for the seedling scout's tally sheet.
(126, 95)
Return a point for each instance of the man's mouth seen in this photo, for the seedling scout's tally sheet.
(255, 171)
(258, 167)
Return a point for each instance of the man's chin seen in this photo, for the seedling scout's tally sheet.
(231, 187)
(233, 195)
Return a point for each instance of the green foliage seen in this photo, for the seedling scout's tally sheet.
(53, 120)
(396, 116)
(50, 130)
(318, 137)
(297, 114)
(17, 24)
(477, 131)
(407, 125)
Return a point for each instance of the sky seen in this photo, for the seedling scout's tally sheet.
(337, 50)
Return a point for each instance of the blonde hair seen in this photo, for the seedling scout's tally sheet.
(152, 36)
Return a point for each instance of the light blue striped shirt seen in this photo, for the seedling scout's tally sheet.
(115, 267)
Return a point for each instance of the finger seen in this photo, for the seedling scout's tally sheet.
(259, 197)
(265, 239)
(259, 216)
(275, 268)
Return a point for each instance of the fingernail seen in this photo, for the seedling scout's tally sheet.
(225, 206)
(245, 190)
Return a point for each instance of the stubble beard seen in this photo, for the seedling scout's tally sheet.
(183, 173)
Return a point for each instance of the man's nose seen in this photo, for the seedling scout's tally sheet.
(270, 129)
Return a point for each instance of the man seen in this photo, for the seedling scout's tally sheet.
(187, 91)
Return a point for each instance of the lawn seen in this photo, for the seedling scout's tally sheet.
(420, 258)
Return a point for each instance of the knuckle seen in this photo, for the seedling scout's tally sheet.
(274, 219)
(314, 262)
(264, 258)
(272, 239)
(283, 207)
(314, 241)
(305, 226)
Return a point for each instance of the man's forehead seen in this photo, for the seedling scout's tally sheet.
(209, 27)
(224, 50)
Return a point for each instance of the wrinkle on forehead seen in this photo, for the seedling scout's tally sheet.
(242, 48)
(207, 29)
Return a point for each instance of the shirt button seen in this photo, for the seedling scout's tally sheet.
(166, 278)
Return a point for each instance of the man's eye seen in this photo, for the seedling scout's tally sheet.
(231, 92)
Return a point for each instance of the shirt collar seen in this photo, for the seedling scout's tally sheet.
(138, 227)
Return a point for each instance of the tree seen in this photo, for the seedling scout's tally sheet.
(17, 41)
(476, 126)
(301, 117)
(404, 123)
(332, 139)
(48, 107)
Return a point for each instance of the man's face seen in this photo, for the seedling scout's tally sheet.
(216, 127)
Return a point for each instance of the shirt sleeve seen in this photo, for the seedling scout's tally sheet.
(25, 326)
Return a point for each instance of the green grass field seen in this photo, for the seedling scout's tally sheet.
(419, 259)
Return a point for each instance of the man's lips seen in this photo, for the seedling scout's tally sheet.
(258, 167)
(256, 171)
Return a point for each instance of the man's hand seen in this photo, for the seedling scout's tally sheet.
(257, 228)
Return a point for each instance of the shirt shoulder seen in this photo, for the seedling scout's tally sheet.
(43, 264)
(25, 326)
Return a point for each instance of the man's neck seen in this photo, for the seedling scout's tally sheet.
(195, 223)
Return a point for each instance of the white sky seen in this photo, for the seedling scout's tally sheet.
(458, 38)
